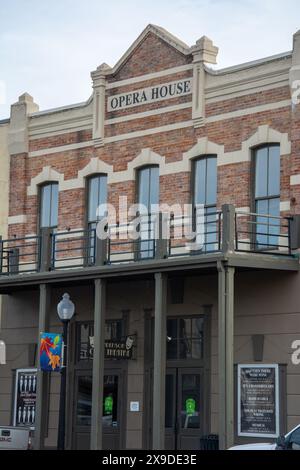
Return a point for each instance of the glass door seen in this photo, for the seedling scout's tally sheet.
(190, 408)
(184, 408)
(170, 409)
(111, 420)
(83, 410)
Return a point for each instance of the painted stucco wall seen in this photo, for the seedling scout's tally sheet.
(265, 303)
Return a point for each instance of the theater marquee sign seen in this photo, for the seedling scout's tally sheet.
(258, 400)
(149, 95)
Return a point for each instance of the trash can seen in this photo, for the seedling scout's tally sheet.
(209, 442)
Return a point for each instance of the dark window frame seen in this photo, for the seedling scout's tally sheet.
(191, 338)
(90, 235)
(193, 178)
(254, 199)
(137, 180)
(88, 180)
(138, 171)
(180, 361)
(193, 189)
(40, 204)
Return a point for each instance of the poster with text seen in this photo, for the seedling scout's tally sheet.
(258, 400)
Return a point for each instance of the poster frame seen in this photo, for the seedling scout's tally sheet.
(17, 374)
(277, 410)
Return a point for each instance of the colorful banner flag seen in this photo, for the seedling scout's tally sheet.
(51, 352)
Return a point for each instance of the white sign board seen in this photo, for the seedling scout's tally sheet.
(135, 406)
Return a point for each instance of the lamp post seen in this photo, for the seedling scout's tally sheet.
(65, 310)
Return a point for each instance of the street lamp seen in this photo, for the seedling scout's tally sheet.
(65, 310)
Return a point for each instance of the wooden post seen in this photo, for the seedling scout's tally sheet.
(228, 232)
(98, 364)
(226, 355)
(229, 356)
(159, 372)
(161, 235)
(45, 249)
(101, 251)
(13, 261)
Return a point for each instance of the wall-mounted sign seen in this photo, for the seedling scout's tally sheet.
(148, 95)
(119, 349)
(115, 349)
(258, 400)
(50, 352)
(134, 406)
(25, 398)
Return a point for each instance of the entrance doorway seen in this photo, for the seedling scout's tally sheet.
(187, 396)
(112, 412)
(184, 408)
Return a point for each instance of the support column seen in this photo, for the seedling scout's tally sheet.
(226, 354)
(159, 372)
(98, 364)
(42, 388)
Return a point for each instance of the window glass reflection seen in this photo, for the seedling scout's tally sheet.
(84, 401)
(205, 194)
(49, 205)
(185, 338)
(170, 401)
(110, 401)
(85, 337)
(148, 195)
(267, 196)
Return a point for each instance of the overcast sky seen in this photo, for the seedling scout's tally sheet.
(49, 47)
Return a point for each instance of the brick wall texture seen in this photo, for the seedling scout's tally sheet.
(234, 182)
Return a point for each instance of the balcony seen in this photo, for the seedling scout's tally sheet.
(160, 237)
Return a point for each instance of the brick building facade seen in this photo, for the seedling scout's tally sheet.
(160, 106)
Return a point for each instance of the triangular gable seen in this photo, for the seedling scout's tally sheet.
(165, 38)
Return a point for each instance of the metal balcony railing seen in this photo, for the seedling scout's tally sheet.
(132, 241)
(74, 248)
(20, 254)
(262, 233)
(195, 234)
(152, 236)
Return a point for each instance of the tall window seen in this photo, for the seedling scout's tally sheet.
(97, 195)
(49, 205)
(205, 194)
(267, 194)
(148, 195)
